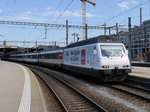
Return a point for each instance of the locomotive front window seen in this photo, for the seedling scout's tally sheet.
(112, 50)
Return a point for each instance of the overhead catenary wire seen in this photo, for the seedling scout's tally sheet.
(60, 15)
(125, 12)
(59, 4)
(110, 8)
(4, 8)
(134, 17)
(63, 12)
(14, 2)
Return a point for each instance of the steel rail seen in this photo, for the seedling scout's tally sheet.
(35, 71)
(100, 109)
(135, 86)
(145, 83)
(128, 92)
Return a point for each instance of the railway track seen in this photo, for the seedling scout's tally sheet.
(71, 99)
(107, 97)
(51, 100)
(136, 86)
(139, 82)
(132, 90)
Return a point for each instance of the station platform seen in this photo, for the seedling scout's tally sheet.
(143, 72)
(19, 89)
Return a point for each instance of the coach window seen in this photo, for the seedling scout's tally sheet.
(47, 56)
(54, 56)
(42, 56)
(57, 55)
(34, 57)
(50, 56)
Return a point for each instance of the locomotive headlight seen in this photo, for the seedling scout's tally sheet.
(125, 66)
(105, 66)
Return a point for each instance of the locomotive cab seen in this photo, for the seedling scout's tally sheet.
(114, 61)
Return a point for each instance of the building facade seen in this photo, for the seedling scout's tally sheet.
(140, 41)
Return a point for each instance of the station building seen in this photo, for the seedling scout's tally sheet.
(5, 48)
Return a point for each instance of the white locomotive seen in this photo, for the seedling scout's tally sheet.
(103, 57)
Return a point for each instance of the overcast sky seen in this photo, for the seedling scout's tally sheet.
(58, 11)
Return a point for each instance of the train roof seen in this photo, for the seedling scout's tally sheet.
(32, 53)
(52, 51)
(41, 52)
(98, 39)
(25, 54)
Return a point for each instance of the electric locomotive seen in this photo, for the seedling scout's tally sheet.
(103, 57)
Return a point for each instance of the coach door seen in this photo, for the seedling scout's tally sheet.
(88, 57)
(94, 57)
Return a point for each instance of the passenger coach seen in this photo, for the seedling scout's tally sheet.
(25, 57)
(51, 57)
